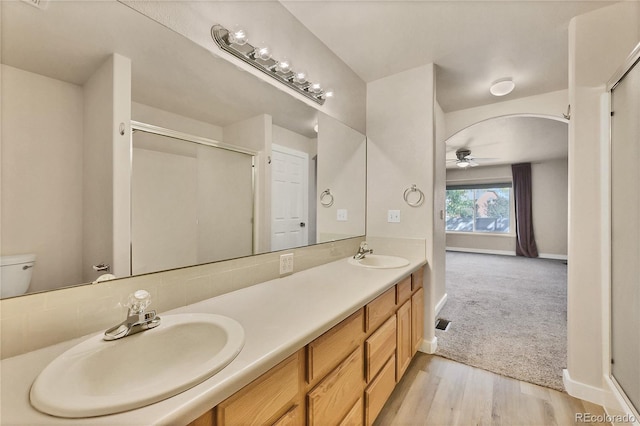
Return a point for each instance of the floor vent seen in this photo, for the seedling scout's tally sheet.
(442, 324)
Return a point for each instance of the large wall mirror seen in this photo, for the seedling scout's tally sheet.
(128, 149)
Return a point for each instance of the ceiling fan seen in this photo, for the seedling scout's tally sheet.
(464, 159)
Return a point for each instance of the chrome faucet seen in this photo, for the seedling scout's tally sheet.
(138, 319)
(363, 251)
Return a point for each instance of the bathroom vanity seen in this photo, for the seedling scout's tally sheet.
(323, 346)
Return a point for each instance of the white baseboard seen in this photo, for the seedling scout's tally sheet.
(583, 391)
(482, 251)
(440, 304)
(506, 253)
(429, 346)
(552, 256)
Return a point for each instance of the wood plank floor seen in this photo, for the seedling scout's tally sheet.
(437, 391)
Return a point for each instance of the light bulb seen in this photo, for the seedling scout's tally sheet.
(315, 88)
(238, 36)
(463, 164)
(329, 93)
(263, 53)
(300, 77)
(283, 66)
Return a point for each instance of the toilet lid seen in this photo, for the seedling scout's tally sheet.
(17, 259)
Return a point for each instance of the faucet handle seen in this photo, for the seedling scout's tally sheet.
(364, 246)
(139, 301)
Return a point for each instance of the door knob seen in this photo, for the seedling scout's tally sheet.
(302, 224)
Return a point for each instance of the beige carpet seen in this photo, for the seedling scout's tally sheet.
(508, 315)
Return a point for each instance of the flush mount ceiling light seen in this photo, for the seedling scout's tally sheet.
(236, 43)
(502, 87)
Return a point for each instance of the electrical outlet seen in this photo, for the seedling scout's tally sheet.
(341, 215)
(286, 263)
(393, 216)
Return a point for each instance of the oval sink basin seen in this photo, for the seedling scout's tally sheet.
(379, 261)
(97, 377)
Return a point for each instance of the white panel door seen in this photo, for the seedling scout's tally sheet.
(289, 198)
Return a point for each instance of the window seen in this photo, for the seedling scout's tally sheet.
(479, 208)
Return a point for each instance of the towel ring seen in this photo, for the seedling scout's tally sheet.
(326, 198)
(407, 193)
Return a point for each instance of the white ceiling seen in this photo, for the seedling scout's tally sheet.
(473, 43)
(511, 140)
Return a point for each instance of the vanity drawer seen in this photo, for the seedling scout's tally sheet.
(379, 391)
(264, 399)
(328, 350)
(403, 290)
(330, 401)
(378, 310)
(379, 347)
(355, 415)
(417, 278)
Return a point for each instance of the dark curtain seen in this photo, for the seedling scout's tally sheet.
(525, 241)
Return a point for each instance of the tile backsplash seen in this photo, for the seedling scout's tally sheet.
(34, 321)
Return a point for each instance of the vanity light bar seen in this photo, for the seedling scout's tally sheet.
(260, 58)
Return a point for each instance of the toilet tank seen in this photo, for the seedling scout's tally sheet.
(15, 274)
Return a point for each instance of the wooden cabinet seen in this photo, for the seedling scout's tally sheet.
(343, 377)
(403, 291)
(417, 279)
(293, 417)
(379, 310)
(404, 351)
(379, 347)
(417, 320)
(355, 416)
(266, 399)
(379, 391)
(328, 350)
(332, 399)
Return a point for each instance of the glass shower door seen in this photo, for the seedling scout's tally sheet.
(625, 234)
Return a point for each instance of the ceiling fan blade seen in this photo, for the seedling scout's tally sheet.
(482, 159)
(451, 160)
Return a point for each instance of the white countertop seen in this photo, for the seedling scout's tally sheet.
(279, 317)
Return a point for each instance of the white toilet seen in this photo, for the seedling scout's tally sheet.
(15, 274)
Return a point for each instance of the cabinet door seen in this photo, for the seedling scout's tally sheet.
(263, 400)
(417, 320)
(379, 391)
(379, 347)
(331, 400)
(404, 342)
(355, 416)
(292, 417)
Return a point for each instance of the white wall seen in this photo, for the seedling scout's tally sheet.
(550, 209)
(599, 43)
(401, 152)
(41, 212)
(550, 186)
(272, 23)
(150, 115)
(342, 168)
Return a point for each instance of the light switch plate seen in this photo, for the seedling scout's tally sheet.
(393, 216)
(286, 263)
(341, 215)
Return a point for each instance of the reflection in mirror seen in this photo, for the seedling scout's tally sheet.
(191, 202)
(68, 194)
